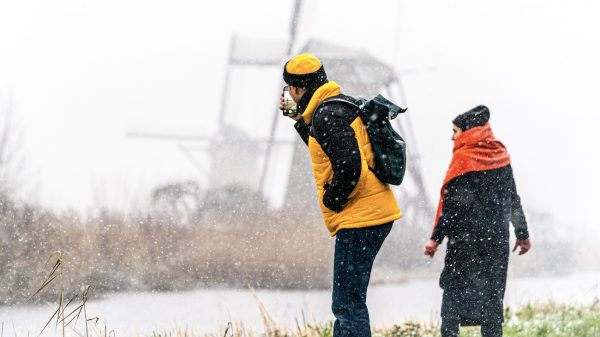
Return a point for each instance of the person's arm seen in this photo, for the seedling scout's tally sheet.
(333, 132)
(517, 216)
(303, 130)
(450, 207)
(301, 127)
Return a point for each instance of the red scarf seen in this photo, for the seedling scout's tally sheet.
(474, 150)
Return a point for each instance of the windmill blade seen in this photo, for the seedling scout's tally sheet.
(294, 23)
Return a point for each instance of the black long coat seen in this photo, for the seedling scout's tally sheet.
(477, 210)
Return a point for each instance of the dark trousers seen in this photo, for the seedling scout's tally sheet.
(450, 328)
(355, 251)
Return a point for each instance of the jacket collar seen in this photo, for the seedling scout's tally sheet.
(325, 91)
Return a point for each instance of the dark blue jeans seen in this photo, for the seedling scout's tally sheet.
(355, 251)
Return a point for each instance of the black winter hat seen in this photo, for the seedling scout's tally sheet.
(475, 117)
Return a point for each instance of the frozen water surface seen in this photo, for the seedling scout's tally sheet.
(210, 310)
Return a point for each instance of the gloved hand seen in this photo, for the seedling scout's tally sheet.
(332, 202)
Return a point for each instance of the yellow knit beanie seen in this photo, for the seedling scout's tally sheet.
(304, 71)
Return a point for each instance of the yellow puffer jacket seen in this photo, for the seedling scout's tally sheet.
(371, 202)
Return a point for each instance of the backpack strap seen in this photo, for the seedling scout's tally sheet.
(340, 100)
(332, 100)
(335, 100)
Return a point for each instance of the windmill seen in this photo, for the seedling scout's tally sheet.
(360, 74)
(266, 155)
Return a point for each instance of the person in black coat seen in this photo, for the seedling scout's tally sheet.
(478, 201)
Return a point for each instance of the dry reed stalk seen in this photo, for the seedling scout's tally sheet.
(76, 305)
(229, 329)
(269, 324)
(56, 272)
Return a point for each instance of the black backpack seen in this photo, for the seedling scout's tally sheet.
(389, 149)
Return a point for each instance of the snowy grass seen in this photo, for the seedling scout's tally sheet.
(547, 320)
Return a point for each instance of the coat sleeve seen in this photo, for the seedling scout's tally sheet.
(517, 216)
(332, 130)
(303, 130)
(450, 208)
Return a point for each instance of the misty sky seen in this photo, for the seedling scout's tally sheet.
(80, 74)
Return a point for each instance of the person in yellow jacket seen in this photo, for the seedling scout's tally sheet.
(357, 208)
